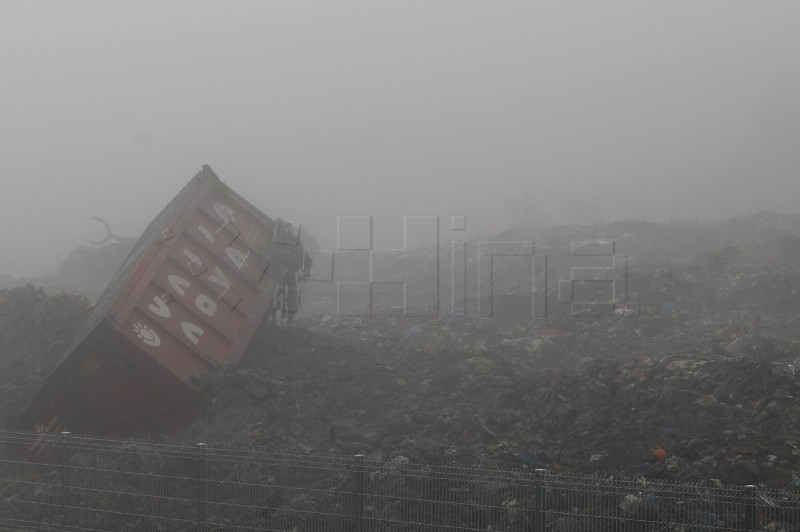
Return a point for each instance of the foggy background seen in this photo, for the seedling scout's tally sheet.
(574, 113)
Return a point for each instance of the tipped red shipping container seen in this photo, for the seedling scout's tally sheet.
(188, 298)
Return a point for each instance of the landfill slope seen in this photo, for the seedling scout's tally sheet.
(724, 407)
(702, 384)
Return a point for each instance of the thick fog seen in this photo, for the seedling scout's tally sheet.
(499, 111)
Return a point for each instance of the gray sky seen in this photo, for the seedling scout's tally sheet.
(604, 110)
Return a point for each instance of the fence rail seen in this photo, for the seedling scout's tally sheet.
(68, 482)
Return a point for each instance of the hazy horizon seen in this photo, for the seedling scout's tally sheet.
(582, 112)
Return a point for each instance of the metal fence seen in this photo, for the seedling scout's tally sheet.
(66, 482)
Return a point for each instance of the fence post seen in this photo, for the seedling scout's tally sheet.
(64, 480)
(750, 507)
(201, 487)
(358, 507)
(538, 500)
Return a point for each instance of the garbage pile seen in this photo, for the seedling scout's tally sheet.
(34, 331)
(571, 400)
(704, 383)
(701, 384)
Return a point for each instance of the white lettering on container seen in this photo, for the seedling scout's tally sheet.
(206, 305)
(238, 258)
(179, 284)
(206, 233)
(192, 331)
(160, 307)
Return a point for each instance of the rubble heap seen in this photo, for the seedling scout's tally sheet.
(725, 410)
(34, 331)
